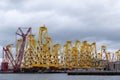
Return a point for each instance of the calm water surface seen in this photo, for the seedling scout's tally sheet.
(54, 77)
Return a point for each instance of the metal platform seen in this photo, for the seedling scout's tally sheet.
(102, 73)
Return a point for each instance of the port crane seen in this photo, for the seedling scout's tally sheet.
(16, 62)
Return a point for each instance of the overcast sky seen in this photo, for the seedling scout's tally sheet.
(91, 20)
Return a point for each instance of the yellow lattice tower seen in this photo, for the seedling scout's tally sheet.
(48, 45)
(34, 55)
(57, 50)
(62, 61)
(77, 56)
(85, 55)
(66, 57)
(26, 59)
(43, 34)
(117, 55)
(68, 49)
(42, 47)
(42, 58)
(18, 45)
(93, 54)
(89, 56)
(74, 57)
(53, 63)
(45, 53)
(30, 57)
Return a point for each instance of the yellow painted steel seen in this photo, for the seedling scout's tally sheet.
(6, 59)
(18, 46)
(74, 58)
(30, 57)
(85, 55)
(93, 55)
(68, 50)
(61, 58)
(117, 55)
(43, 33)
(9, 47)
(54, 56)
(103, 57)
(41, 53)
(108, 55)
(44, 54)
(77, 55)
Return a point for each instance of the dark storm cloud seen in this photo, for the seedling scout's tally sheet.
(91, 20)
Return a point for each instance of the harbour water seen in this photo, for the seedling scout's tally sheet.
(54, 77)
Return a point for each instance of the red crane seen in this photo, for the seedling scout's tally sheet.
(16, 63)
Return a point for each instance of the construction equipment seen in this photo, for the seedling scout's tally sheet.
(42, 55)
(16, 63)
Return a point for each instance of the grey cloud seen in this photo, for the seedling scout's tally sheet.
(66, 20)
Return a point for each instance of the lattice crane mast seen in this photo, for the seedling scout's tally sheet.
(16, 62)
(93, 54)
(77, 46)
(67, 49)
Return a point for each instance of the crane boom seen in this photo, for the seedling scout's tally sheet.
(9, 56)
(21, 50)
